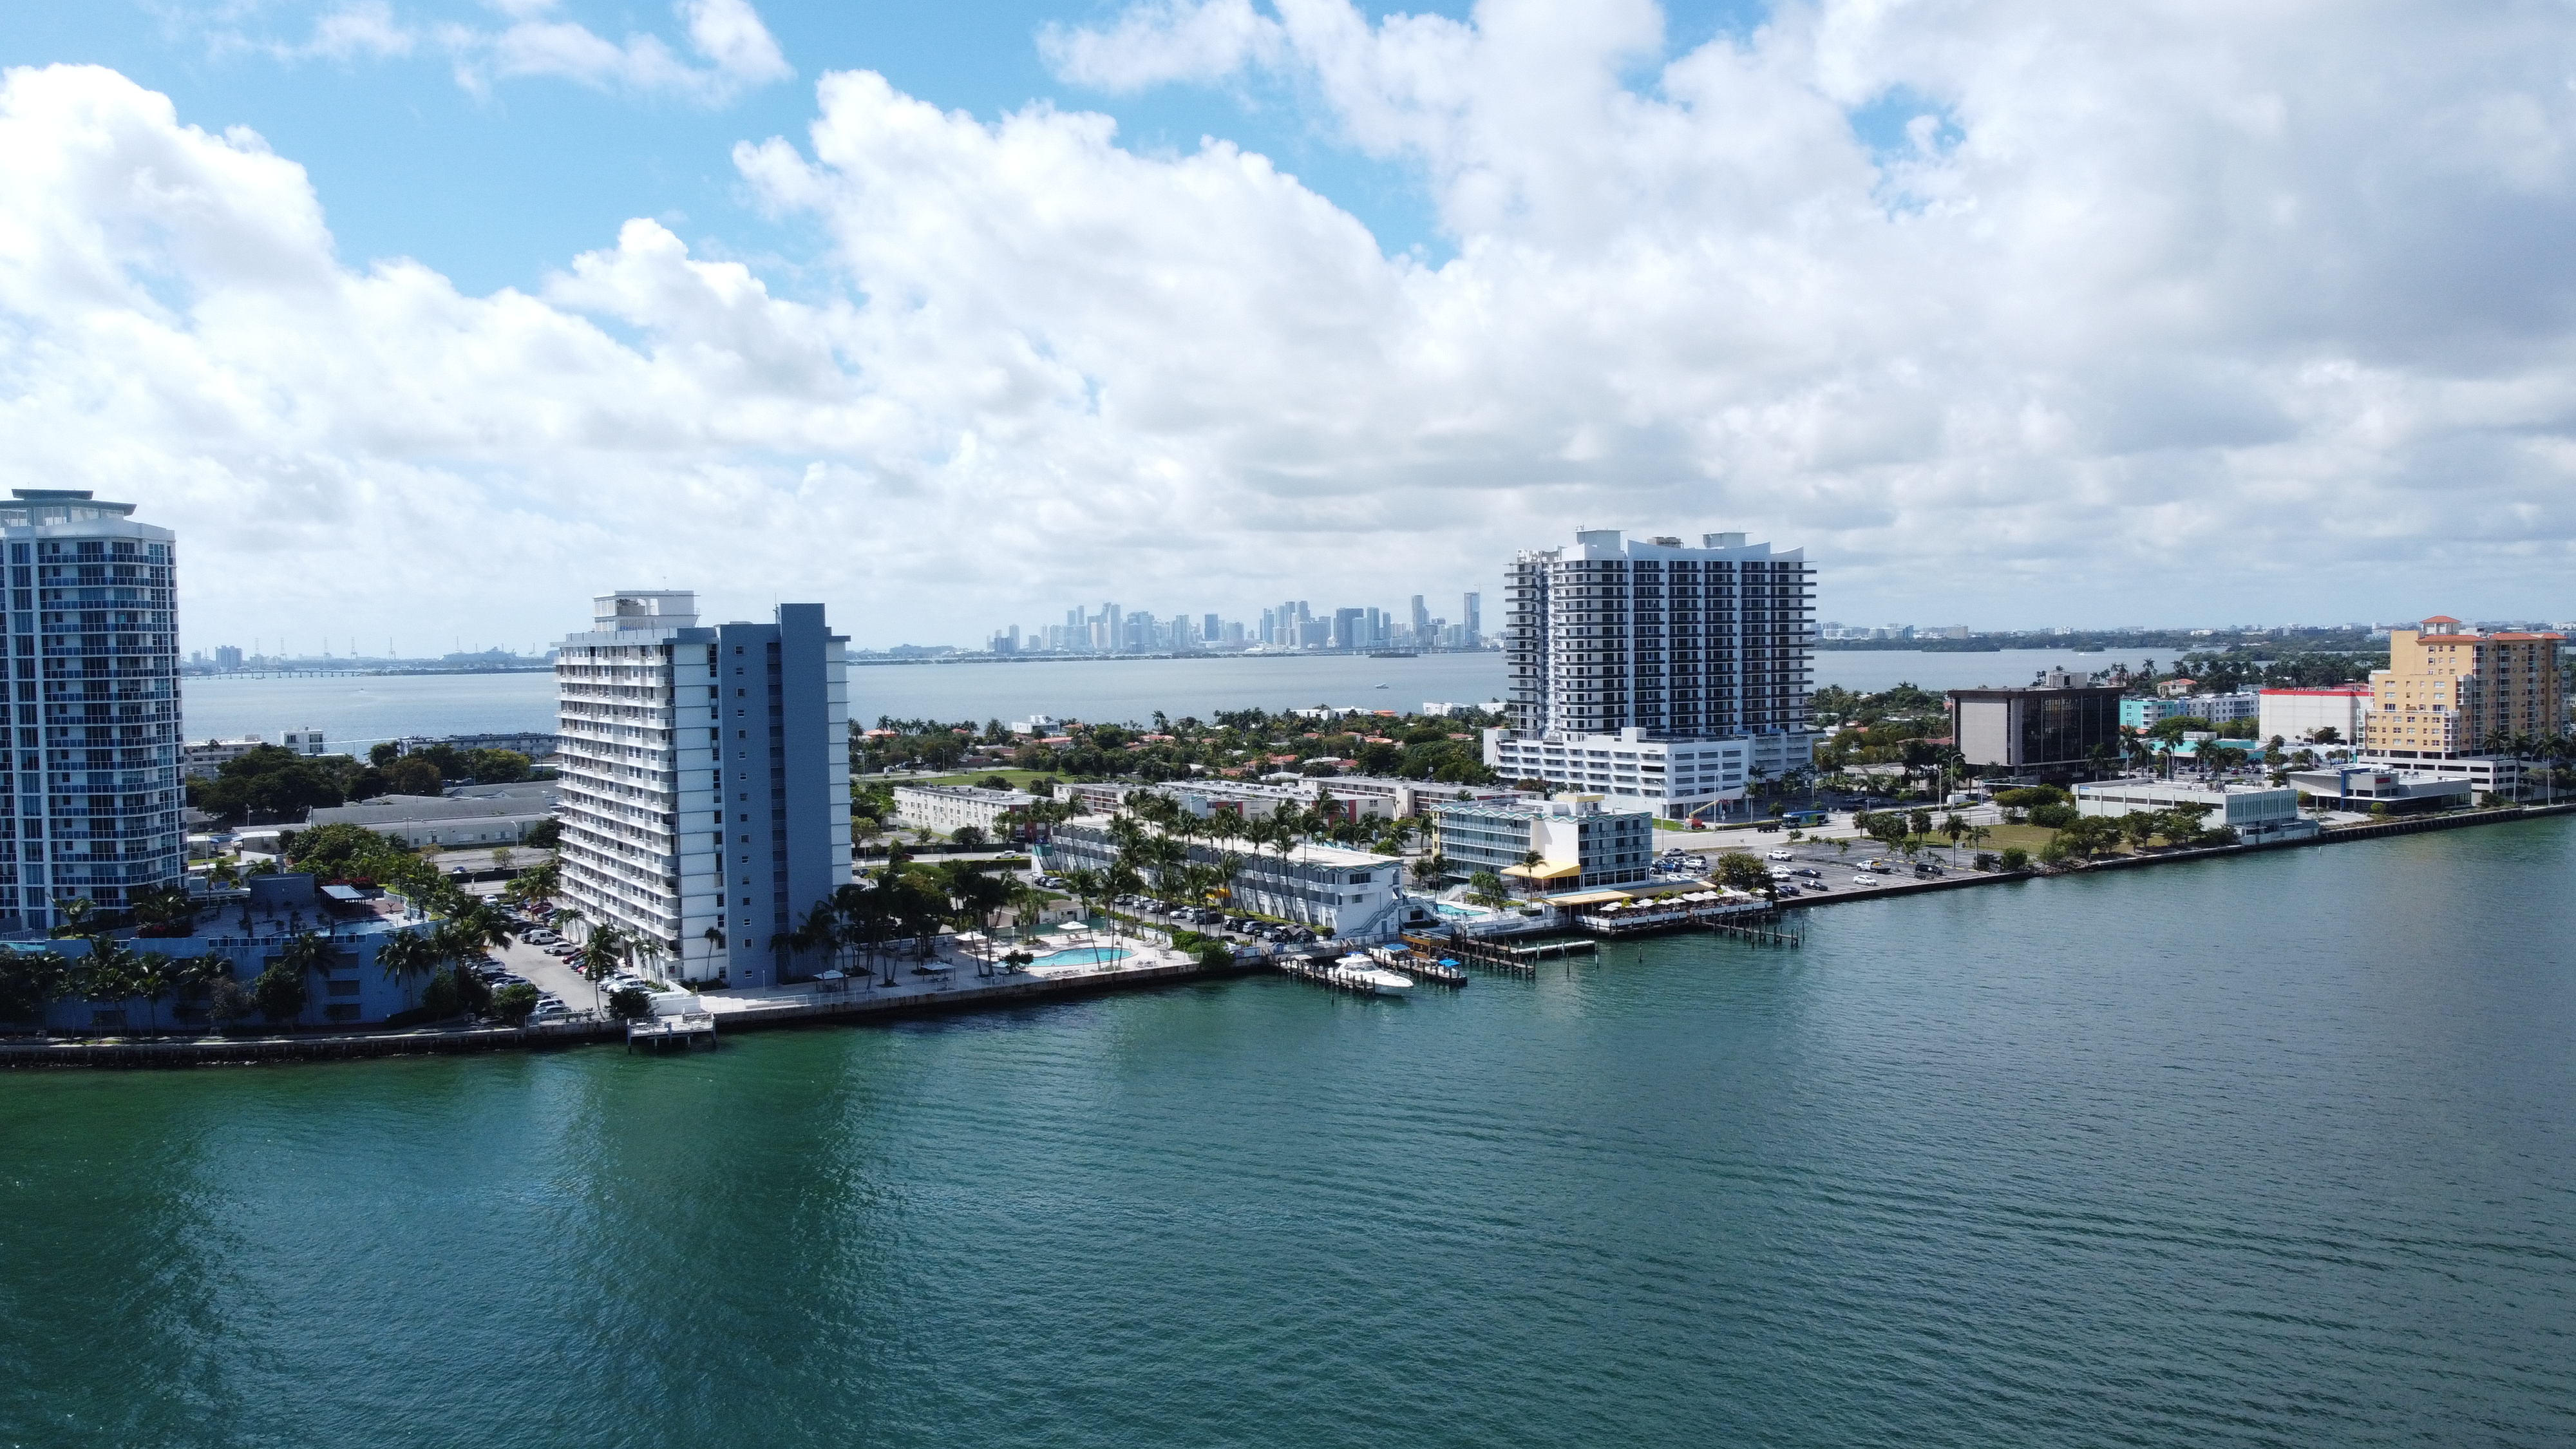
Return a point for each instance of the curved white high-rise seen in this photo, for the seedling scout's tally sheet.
(92, 783)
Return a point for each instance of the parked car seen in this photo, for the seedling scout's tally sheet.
(1782, 855)
(1864, 879)
(1808, 871)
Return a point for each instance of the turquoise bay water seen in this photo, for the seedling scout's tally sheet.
(2272, 1151)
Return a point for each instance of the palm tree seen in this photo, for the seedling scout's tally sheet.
(408, 955)
(162, 905)
(309, 952)
(819, 930)
(1026, 904)
(153, 976)
(1087, 886)
(603, 953)
(107, 973)
(648, 953)
(1530, 861)
(201, 972)
(76, 912)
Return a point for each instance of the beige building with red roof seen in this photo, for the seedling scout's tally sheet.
(2449, 693)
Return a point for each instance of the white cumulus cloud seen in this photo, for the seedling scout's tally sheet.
(2213, 314)
(735, 49)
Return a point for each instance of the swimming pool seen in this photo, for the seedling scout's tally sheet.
(1083, 956)
(1447, 909)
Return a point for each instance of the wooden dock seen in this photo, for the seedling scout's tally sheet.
(1771, 928)
(1487, 953)
(683, 1029)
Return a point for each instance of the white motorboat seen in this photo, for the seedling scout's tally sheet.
(1360, 973)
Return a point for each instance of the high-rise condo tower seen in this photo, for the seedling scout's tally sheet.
(1656, 670)
(92, 775)
(706, 779)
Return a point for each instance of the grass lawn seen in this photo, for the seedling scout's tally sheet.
(1019, 778)
(2028, 837)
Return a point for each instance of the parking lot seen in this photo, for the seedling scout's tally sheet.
(1809, 868)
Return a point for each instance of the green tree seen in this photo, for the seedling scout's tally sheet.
(266, 783)
(513, 1003)
(155, 977)
(30, 981)
(603, 954)
(441, 999)
(280, 992)
(630, 1003)
(407, 956)
(1737, 870)
(1487, 889)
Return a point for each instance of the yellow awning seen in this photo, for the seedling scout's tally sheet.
(1588, 898)
(1544, 872)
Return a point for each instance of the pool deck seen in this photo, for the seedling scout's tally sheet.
(961, 974)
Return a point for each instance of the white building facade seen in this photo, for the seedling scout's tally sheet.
(2256, 813)
(705, 778)
(949, 808)
(1352, 893)
(205, 760)
(92, 785)
(1682, 670)
(2292, 715)
(1583, 842)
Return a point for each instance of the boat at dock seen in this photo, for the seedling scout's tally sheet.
(1420, 967)
(1354, 973)
(1362, 973)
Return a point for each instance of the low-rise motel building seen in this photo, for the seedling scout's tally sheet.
(2450, 694)
(1352, 893)
(950, 808)
(2258, 814)
(248, 933)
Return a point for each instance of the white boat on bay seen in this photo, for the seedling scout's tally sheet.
(1360, 973)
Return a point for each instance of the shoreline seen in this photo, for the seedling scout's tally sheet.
(212, 1051)
(250, 1050)
(2334, 835)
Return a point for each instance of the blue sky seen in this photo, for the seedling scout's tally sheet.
(499, 189)
(2010, 313)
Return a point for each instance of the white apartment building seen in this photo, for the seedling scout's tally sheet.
(90, 784)
(204, 761)
(1582, 843)
(948, 808)
(705, 778)
(1681, 672)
